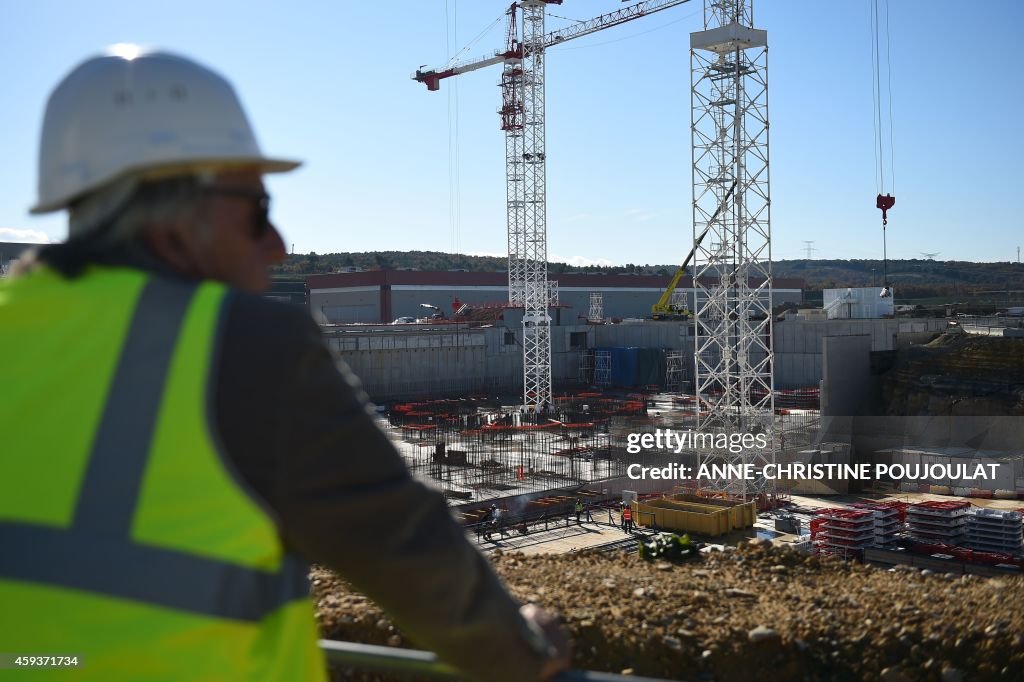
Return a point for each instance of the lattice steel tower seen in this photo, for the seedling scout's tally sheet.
(732, 270)
(512, 116)
(531, 239)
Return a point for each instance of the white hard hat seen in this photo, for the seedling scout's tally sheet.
(147, 114)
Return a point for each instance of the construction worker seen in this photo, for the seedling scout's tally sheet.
(491, 521)
(498, 520)
(627, 519)
(579, 509)
(177, 448)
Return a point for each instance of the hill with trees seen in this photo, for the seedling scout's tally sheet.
(916, 278)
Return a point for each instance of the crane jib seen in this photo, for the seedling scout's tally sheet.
(432, 77)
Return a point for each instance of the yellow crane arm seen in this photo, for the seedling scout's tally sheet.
(663, 308)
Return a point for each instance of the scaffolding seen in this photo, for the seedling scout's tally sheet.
(602, 368)
(586, 375)
(675, 371)
(732, 265)
(596, 314)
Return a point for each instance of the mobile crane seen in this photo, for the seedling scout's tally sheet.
(664, 309)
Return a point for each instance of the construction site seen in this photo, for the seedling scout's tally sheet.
(524, 406)
(525, 395)
(654, 457)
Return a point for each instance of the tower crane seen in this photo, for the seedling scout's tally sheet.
(522, 119)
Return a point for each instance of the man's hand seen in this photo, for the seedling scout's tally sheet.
(557, 642)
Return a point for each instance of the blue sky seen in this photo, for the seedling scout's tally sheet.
(329, 82)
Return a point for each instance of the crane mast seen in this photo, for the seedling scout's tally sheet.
(732, 264)
(531, 238)
(522, 120)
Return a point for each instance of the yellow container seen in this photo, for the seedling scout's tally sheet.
(741, 514)
(686, 517)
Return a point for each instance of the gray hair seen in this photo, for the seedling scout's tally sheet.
(121, 210)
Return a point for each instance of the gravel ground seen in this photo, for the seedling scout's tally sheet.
(757, 612)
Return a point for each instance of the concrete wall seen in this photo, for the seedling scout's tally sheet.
(1009, 470)
(798, 343)
(394, 363)
(397, 361)
(402, 362)
(846, 380)
(873, 434)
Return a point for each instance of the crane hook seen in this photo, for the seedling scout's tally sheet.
(885, 203)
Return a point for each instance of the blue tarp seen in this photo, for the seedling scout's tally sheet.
(633, 366)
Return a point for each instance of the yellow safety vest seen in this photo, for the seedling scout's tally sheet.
(125, 536)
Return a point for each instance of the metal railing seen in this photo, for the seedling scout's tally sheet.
(427, 664)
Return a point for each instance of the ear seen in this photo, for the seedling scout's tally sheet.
(174, 248)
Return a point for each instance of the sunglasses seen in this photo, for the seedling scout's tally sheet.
(261, 202)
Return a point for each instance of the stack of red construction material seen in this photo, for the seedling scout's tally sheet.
(967, 555)
(889, 517)
(938, 521)
(842, 532)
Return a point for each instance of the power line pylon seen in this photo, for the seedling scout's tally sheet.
(732, 275)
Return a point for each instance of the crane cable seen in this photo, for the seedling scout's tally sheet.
(453, 58)
(888, 70)
(888, 200)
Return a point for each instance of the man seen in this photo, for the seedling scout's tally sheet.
(497, 520)
(175, 447)
(490, 521)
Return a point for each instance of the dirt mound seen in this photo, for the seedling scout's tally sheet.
(957, 374)
(785, 615)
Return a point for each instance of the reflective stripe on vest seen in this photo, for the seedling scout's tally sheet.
(96, 553)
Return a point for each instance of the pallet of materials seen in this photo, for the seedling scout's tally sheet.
(994, 530)
(938, 522)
